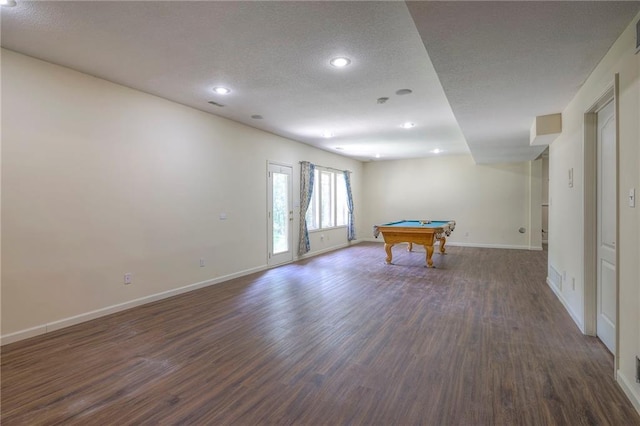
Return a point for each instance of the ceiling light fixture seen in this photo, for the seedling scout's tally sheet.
(222, 90)
(437, 151)
(377, 155)
(327, 134)
(408, 125)
(403, 92)
(340, 62)
(7, 3)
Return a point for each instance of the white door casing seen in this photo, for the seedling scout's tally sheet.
(279, 214)
(606, 298)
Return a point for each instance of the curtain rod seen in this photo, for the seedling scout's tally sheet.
(328, 168)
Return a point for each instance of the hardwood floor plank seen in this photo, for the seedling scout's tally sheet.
(340, 338)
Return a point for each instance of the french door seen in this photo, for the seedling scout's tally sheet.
(279, 214)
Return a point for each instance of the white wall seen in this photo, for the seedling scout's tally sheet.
(567, 236)
(99, 180)
(489, 203)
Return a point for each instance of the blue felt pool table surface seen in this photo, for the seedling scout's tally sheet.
(418, 223)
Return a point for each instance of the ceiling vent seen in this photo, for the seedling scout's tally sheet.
(216, 104)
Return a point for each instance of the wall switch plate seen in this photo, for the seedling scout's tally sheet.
(632, 197)
(223, 216)
(201, 263)
(127, 278)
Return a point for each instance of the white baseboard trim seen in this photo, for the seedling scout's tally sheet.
(87, 316)
(478, 245)
(630, 389)
(497, 246)
(560, 297)
(328, 249)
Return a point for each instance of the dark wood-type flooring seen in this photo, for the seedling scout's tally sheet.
(340, 338)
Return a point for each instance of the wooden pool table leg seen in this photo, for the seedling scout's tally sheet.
(442, 241)
(429, 250)
(387, 248)
(410, 247)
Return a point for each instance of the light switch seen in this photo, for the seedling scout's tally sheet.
(223, 216)
(571, 177)
(632, 197)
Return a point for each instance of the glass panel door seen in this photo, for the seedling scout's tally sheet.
(280, 214)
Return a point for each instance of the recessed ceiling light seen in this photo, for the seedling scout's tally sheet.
(403, 92)
(377, 155)
(7, 3)
(327, 134)
(340, 62)
(408, 125)
(339, 148)
(221, 90)
(437, 151)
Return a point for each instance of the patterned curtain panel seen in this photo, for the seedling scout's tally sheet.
(351, 228)
(306, 191)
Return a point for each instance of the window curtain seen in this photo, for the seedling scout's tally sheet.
(351, 228)
(306, 191)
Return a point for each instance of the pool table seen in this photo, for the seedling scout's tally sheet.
(423, 232)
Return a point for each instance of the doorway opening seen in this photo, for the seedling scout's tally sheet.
(279, 214)
(600, 219)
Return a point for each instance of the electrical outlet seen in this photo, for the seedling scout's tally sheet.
(201, 263)
(127, 278)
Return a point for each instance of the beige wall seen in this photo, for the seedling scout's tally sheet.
(490, 203)
(567, 236)
(99, 180)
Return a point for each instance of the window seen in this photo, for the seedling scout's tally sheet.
(328, 207)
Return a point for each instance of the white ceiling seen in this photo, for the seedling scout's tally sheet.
(499, 64)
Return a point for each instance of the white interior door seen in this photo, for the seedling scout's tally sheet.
(280, 214)
(606, 232)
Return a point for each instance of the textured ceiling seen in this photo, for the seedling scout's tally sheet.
(504, 63)
(500, 64)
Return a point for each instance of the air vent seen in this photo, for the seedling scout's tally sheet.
(403, 92)
(216, 104)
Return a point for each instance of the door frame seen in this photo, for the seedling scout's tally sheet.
(269, 208)
(590, 249)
